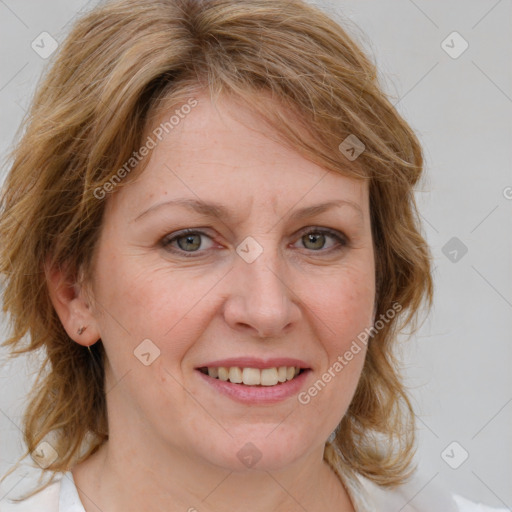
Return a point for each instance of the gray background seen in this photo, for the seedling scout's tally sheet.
(458, 366)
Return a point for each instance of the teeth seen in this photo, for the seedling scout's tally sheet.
(269, 377)
(251, 376)
(235, 375)
(254, 376)
(223, 373)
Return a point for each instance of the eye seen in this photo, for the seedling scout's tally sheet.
(316, 240)
(186, 241)
(189, 241)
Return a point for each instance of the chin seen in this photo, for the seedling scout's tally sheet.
(264, 448)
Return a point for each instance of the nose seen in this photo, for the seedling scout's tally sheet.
(261, 298)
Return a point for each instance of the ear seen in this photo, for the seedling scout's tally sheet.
(72, 306)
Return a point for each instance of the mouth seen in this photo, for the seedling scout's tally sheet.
(254, 377)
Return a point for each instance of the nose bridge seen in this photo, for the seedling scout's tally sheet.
(264, 280)
(264, 299)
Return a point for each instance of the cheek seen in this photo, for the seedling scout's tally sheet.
(154, 302)
(343, 305)
(340, 312)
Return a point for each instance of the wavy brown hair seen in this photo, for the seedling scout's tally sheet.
(123, 64)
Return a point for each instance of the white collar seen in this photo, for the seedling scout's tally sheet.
(69, 501)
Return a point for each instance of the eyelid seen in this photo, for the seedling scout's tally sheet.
(318, 229)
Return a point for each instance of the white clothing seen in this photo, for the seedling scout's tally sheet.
(62, 496)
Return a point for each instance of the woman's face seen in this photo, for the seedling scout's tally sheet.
(276, 271)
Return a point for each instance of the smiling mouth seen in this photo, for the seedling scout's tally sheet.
(253, 376)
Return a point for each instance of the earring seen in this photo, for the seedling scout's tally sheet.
(81, 330)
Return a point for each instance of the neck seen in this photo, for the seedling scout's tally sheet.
(122, 478)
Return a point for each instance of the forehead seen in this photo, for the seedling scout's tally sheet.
(225, 151)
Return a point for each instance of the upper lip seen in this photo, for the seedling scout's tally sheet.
(253, 362)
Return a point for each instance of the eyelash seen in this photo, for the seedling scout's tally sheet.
(338, 237)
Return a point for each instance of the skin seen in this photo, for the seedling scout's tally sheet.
(174, 441)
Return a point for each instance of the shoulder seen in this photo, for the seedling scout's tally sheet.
(46, 500)
(469, 506)
(420, 494)
(60, 496)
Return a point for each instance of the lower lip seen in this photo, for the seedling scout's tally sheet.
(257, 394)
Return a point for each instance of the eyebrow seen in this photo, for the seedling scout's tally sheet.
(212, 209)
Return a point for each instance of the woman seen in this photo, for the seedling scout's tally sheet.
(213, 237)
